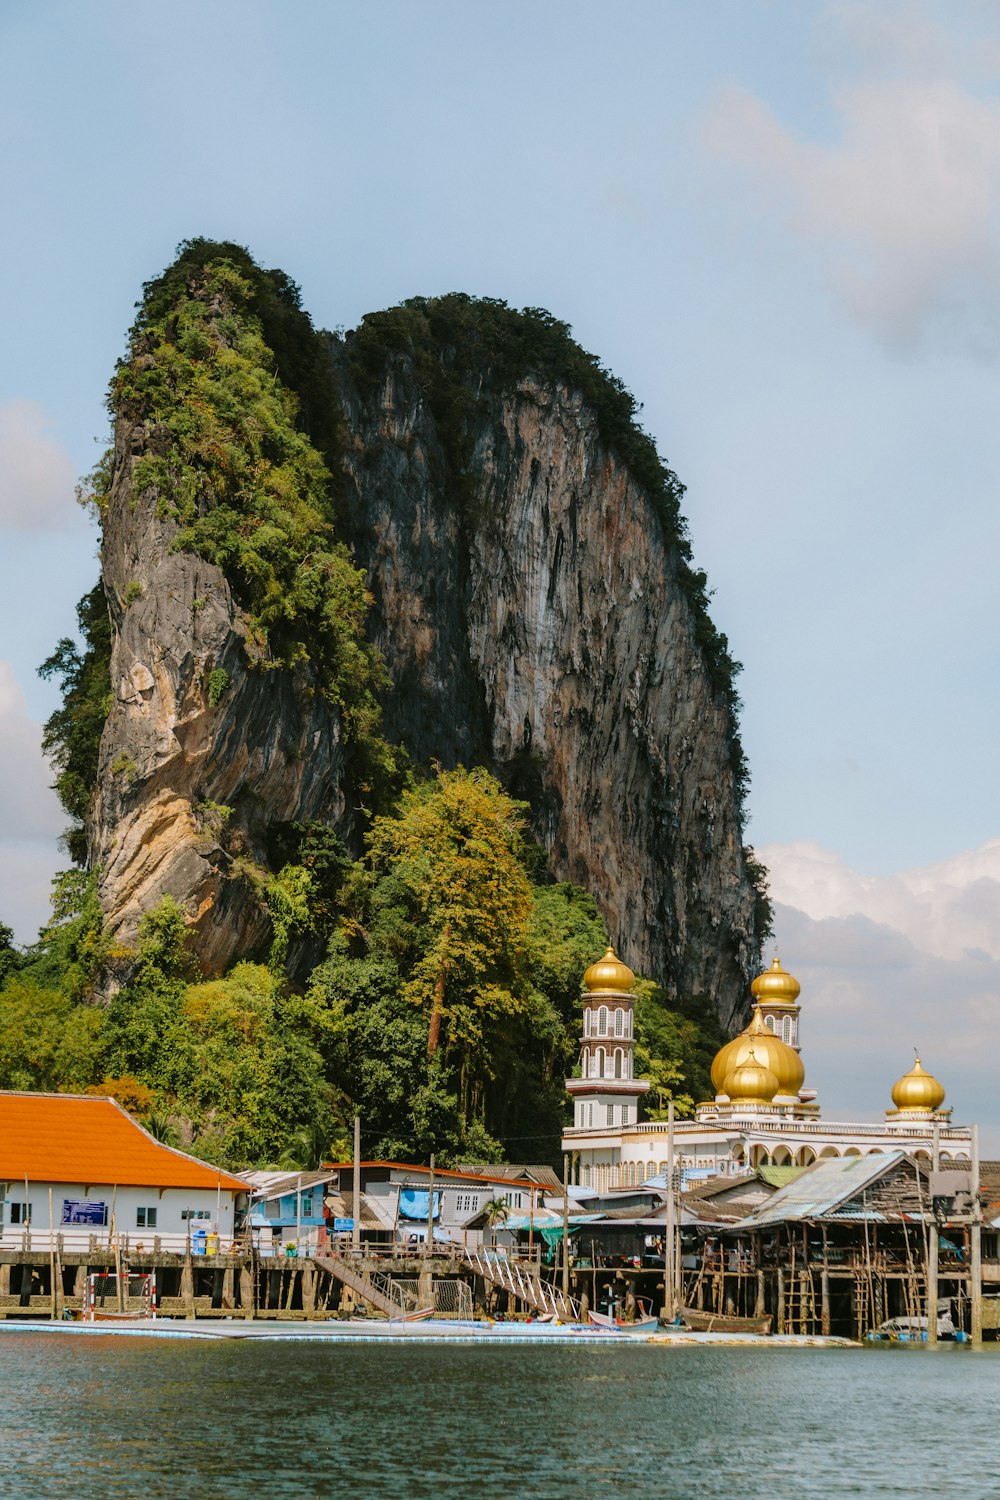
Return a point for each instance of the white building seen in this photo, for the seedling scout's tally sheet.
(81, 1168)
(761, 1114)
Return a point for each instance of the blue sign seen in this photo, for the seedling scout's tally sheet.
(343, 1226)
(84, 1211)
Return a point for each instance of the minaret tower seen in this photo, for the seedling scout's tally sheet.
(606, 1095)
(777, 993)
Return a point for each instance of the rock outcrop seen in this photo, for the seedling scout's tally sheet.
(533, 614)
(202, 756)
(541, 626)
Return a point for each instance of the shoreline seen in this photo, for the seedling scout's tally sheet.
(559, 1335)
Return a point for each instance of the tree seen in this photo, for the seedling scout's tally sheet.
(496, 1211)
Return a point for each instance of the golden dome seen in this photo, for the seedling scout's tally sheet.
(609, 973)
(750, 1082)
(775, 986)
(759, 1040)
(918, 1090)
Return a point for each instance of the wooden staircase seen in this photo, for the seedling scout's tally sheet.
(522, 1280)
(364, 1285)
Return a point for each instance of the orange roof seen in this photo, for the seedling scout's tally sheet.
(76, 1138)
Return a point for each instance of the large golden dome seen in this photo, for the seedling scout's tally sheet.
(775, 986)
(760, 1041)
(750, 1082)
(609, 973)
(918, 1090)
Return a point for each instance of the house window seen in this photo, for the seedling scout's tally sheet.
(196, 1213)
(624, 1114)
(145, 1218)
(619, 1023)
(602, 1020)
(590, 1114)
(20, 1213)
(611, 1114)
(272, 1210)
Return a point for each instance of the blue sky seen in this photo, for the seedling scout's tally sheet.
(777, 222)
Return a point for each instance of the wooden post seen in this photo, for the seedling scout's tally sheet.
(246, 1290)
(565, 1268)
(976, 1249)
(429, 1247)
(52, 1261)
(669, 1274)
(932, 1249)
(759, 1305)
(356, 1206)
(781, 1300)
(825, 1288)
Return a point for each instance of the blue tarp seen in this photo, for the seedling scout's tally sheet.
(413, 1204)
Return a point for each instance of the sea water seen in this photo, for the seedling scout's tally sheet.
(110, 1416)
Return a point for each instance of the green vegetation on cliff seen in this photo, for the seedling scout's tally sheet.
(447, 1011)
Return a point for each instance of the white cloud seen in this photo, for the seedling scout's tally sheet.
(30, 816)
(36, 476)
(949, 909)
(892, 964)
(903, 205)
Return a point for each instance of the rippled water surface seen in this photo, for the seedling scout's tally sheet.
(112, 1416)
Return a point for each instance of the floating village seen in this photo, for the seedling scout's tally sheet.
(756, 1219)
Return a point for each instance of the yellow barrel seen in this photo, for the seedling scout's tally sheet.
(212, 1244)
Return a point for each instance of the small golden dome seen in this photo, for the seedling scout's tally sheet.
(750, 1083)
(775, 986)
(769, 1050)
(918, 1090)
(609, 973)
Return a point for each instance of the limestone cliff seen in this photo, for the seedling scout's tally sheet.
(203, 754)
(534, 604)
(542, 626)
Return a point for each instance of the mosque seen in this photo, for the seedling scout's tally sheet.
(762, 1115)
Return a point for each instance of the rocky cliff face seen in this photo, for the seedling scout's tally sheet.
(201, 754)
(531, 609)
(541, 626)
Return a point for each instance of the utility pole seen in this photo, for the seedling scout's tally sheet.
(932, 1247)
(356, 1206)
(430, 1210)
(669, 1300)
(976, 1247)
(566, 1224)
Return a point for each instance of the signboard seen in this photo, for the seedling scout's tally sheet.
(343, 1226)
(84, 1211)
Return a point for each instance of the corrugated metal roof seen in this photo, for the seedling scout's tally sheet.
(780, 1177)
(823, 1188)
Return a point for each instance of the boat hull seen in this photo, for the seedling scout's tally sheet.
(620, 1325)
(709, 1322)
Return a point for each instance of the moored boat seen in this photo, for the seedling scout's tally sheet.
(643, 1324)
(709, 1322)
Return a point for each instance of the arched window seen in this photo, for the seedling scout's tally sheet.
(628, 1023)
(769, 1023)
(619, 1022)
(618, 1062)
(786, 1030)
(602, 1020)
(586, 1023)
(586, 1175)
(600, 1062)
(663, 1166)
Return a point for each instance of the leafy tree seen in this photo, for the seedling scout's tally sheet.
(11, 958)
(72, 735)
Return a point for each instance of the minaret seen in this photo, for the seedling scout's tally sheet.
(606, 1095)
(776, 993)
